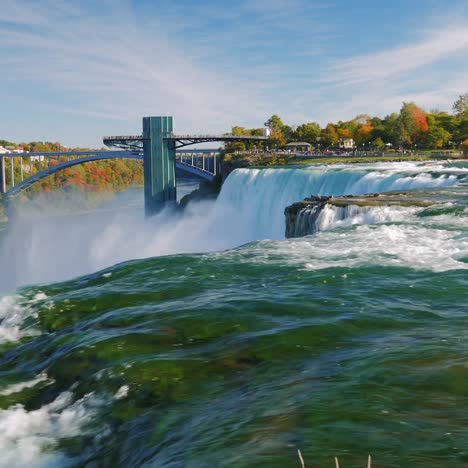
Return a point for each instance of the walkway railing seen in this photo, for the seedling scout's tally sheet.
(18, 168)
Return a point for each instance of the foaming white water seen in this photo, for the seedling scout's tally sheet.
(392, 245)
(261, 195)
(250, 207)
(403, 245)
(332, 217)
(14, 310)
(18, 387)
(27, 438)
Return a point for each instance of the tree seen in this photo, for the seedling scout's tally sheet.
(460, 106)
(446, 121)
(378, 143)
(351, 126)
(413, 123)
(464, 147)
(436, 136)
(276, 139)
(461, 131)
(329, 135)
(363, 134)
(275, 123)
(391, 129)
(344, 133)
(362, 119)
(278, 131)
(240, 131)
(308, 132)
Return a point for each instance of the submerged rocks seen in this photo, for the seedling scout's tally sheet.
(305, 218)
(301, 216)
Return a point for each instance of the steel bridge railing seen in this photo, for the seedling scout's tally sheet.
(37, 165)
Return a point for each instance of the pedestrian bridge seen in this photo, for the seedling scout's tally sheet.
(158, 147)
(202, 164)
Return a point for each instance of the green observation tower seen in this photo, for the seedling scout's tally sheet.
(158, 145)
(159, 163)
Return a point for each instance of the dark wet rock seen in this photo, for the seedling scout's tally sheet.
(301, 217)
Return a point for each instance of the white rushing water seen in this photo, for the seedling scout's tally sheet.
(27, 437)
(250, 207)
(262, 195)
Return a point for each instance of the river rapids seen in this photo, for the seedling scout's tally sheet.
(207, 339)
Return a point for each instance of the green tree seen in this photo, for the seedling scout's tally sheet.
(280, 133)
(275, 123)
(461, 132)
(391, 129)
(329, 136)
(436, 136)
(378, 143)
(308, 132)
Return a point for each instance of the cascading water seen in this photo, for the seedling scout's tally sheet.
(259, 196)
(250, 207)
(325, 216)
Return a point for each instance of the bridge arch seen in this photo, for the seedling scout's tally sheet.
(26, 183)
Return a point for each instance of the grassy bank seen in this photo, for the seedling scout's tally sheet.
(238, 160)
(366, 159)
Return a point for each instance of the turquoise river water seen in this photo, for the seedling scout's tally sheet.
(206, 339)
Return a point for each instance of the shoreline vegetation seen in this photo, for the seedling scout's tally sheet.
(251, 159)
(94, 182)
(412, 134)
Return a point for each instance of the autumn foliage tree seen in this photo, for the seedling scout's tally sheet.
(413, 123)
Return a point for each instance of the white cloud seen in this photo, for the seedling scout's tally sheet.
(431, 72)
(107, 60)
(400, 61)
(117, 67)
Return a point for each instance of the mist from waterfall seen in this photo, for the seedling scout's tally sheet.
(39, 247)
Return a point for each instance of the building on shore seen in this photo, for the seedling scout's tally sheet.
(298, 146)
(346, 143)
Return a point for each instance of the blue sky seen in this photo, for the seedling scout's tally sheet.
(75, 70)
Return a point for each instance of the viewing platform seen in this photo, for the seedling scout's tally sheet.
(136, 141)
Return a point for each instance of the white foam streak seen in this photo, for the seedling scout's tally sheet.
(332, 217)
(14, 310)
(16, 388)
(403, 245)
(28, 437)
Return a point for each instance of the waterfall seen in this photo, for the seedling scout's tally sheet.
(39, 247)
(323, 217)
(258, 197)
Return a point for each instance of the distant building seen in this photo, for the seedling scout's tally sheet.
(14, 150)
(346, 143)
(298, 146)
(11, 149)
(37, 158)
